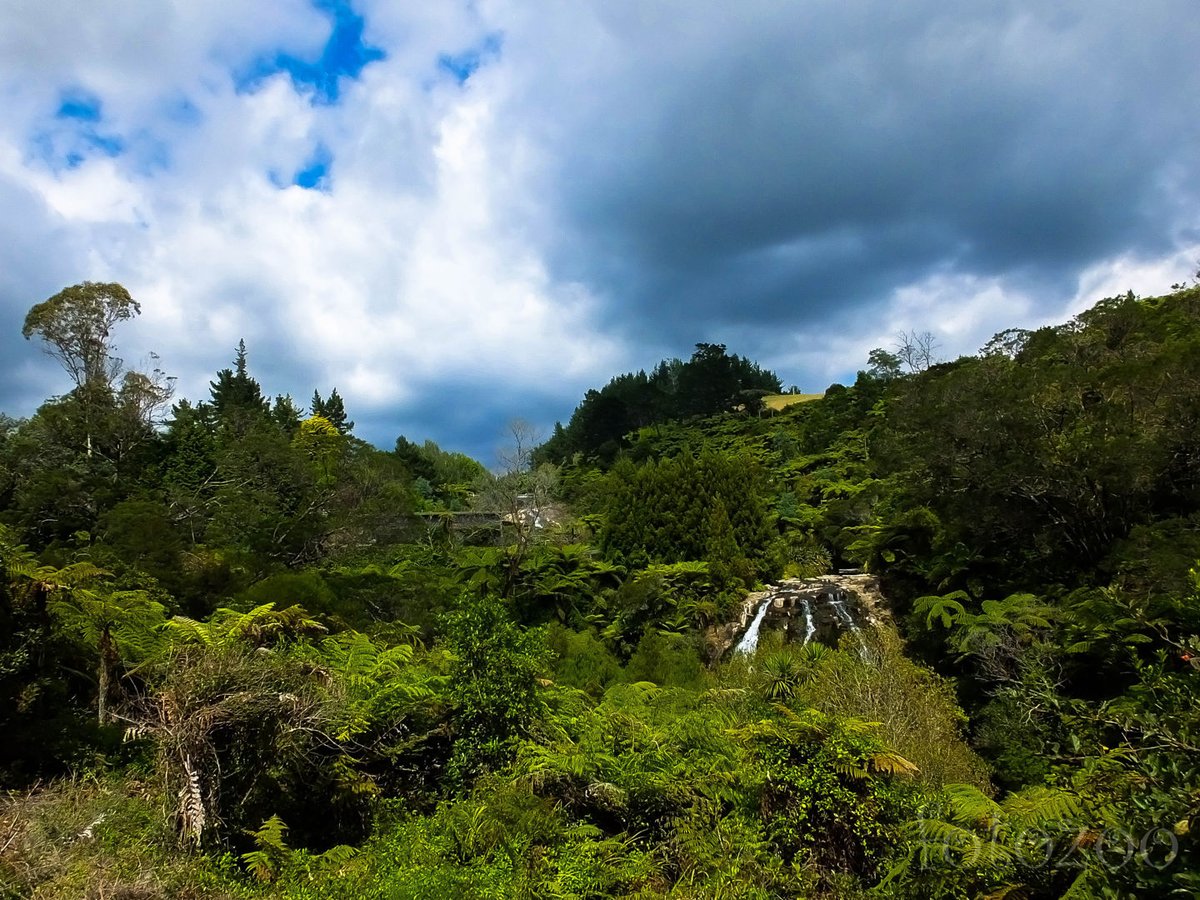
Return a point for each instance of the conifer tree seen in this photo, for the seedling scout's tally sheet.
(333, 409)
(236, 396)
(286, 414)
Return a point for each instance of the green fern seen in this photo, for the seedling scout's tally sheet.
(16, 562)
(260, 627)
(949, 610)
(271, 853)
(969, 806)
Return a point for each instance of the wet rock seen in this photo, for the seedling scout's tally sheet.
(817, 609)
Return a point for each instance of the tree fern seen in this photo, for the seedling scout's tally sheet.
(971, 807)
(1039, 807)
(949, 610)
(16, 562)
(975, 833)
(122, 626)
(259, 627)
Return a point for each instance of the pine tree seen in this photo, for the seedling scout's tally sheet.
(721, 550)
(332, 409)
(236, 396)
(335, 412)
(286, 414)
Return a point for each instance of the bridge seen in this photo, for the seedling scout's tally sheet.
(460, 520)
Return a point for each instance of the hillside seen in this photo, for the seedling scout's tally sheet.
(778, 402)
(247, 655)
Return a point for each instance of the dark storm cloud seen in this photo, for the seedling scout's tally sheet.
(481, 430)
(34, 264)
(793, 158)
(515, 201)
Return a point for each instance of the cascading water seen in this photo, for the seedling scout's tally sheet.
(810, 625)
(837, 602)
(749, 641)
(804, 612)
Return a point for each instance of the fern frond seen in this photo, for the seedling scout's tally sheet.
(850, 770)
(272, 833)
(948, 609)
(339, 855)
(192, 816)
(969, 805)
(15, 559)
(1036, 807)
(1005, 891)
(260, 864)
(893, 764)
(72, 575)
(185, 630)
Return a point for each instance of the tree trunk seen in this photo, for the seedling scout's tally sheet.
(107, 652)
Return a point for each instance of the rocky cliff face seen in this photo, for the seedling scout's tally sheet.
(815, 609)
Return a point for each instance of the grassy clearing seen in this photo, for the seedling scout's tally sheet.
(106, 837)
(782, 401)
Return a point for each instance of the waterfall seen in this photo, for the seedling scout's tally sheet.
(815, 610)
(749, 641)
(810, 626)
(837, 601)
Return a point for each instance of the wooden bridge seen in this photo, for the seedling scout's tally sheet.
(461, 520)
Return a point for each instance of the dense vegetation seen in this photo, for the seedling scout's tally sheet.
(243, 653)
(710, 382)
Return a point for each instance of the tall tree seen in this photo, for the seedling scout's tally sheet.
(916, 349)
(236, 396)
(286, 414)
(333, 409)
(76, 326)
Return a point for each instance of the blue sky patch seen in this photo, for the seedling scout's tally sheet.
(461, 66)
(315, 173)
(74, 135)
(344, 54)
(66, 150)
(80, 106)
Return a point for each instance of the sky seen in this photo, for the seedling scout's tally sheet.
(461, 213)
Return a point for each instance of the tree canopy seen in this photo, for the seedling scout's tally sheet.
(246, 654)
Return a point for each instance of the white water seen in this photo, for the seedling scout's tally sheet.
(810, 626)
(749, 641)
(839, 617)
(837, 601)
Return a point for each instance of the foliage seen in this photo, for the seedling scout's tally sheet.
(76, 323)
(916, 712)
(688, 508)
(333, 410)
(710, 382)
(496, 675)
(532, 709)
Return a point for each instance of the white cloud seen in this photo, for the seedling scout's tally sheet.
(626, 135)
(407, 272)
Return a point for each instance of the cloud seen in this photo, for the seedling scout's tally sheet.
(458, 213)
(343, 56)
(780, 159)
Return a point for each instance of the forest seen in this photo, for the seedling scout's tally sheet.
(246, 654)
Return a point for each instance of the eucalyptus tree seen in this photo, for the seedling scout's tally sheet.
(75, 326)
